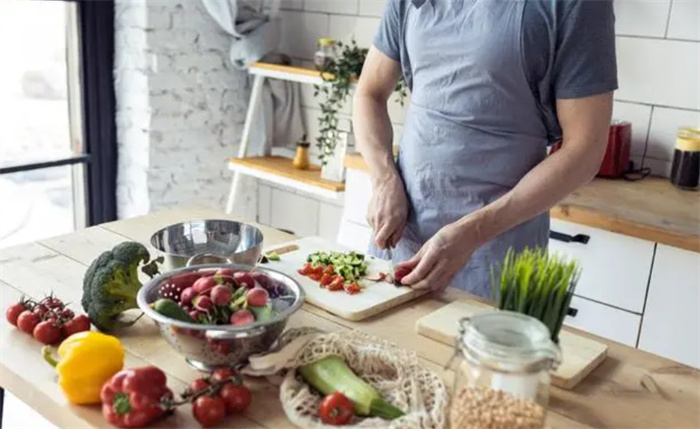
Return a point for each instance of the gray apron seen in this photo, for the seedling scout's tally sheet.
(473, 128)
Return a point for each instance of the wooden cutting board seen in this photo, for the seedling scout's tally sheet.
(374, 298)
(580, 355)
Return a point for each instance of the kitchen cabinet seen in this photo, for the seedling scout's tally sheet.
(605, 321)
(671, 323)
(615, 267)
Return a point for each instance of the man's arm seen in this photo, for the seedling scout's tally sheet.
(585, 123)
(372, 126)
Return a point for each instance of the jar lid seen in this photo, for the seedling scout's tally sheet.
(509, 341)
(688, 139)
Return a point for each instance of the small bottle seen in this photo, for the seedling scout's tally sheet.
(301, 156)
(685, 172)
(325, 53)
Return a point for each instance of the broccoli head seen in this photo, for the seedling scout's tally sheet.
(111, 283)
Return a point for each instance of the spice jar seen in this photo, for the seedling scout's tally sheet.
(503, 377)
(685, 170)
(325, 52)
(301, 156)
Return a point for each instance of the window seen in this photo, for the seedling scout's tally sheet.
(57, 144)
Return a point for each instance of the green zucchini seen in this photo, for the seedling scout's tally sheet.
(169, 308)
(331, 374)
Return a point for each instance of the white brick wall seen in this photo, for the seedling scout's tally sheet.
(180, 106)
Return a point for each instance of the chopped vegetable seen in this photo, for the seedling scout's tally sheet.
(273, 256)
(331, 374)
(86, 361)
(352, 266)
(111, 283)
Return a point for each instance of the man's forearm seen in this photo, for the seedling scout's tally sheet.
(543, 187)
(374, 136)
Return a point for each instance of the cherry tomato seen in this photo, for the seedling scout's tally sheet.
(306, 269)
(47, 332)
(353, 288)
(41, 310)
(400, 273)
(52, 302)
(337, 283)
(67, 314)
(198, 385)
(79, 323)
(257, 297)
(236, 397)
(222, 374)
(13, 312)
(336, 409)
(27, 321)
(209, 410)
(326, 280)
(330, 270)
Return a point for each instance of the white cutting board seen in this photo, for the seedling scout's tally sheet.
(580, 355)
(374, 298)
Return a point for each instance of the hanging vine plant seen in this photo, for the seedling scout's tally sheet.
(339, 74)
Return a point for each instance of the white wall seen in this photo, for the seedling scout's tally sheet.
(180, 106)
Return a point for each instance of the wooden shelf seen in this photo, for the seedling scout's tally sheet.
(291, 73)
(279, 170)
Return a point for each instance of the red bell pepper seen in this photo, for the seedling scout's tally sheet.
(135, 397)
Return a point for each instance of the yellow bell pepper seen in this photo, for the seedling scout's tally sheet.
(86, 361)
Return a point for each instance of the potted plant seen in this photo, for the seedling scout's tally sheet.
(339, 73)
(536, 283)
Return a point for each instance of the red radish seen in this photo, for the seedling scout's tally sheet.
(257, 297)
(262, 279)
(225, 272)
(187, 296)
(221, 295)
(202, 303)
(242, 317)
(194, 314)
(244, 279)
(400, 273)
(204, 285)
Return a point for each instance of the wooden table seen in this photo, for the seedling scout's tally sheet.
(631, 389)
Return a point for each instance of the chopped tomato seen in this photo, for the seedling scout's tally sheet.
(315, 276)
(337, 283)
(330, 270)
(326, 280)
(306, 269)
(352, 288)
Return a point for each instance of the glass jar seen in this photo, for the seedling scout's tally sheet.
(325, 53)
(503, 377)
(301, 156)
(685, 169)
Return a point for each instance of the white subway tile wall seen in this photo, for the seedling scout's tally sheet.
(684, 22)
(349, 7)
(664, 125)
(641, 17)
(301, 31)
(372, 7)
(639, 116)
(362, 29)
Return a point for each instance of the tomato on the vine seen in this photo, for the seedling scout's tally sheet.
(236, 397)
(77, 324)
(198, 385)
(336, 409)
(222, 374)
(209, 410)
(47, 332)
(12, 313)
(27, 320)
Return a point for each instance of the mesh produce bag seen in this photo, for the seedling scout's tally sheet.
(395, 373)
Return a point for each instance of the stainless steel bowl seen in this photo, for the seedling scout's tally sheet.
(209, 346)
(208, 241)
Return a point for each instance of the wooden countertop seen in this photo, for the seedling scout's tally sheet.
(631, 388)
(651, 209)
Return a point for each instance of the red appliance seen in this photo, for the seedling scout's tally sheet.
(617, 155)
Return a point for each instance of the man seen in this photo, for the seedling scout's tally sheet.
(492, 83)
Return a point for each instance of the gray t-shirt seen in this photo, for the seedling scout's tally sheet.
(568, 49)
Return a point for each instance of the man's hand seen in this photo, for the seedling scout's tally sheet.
(441, 257)
(388, 211)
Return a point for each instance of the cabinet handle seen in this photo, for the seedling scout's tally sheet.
(572, 312)
(566, 238)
